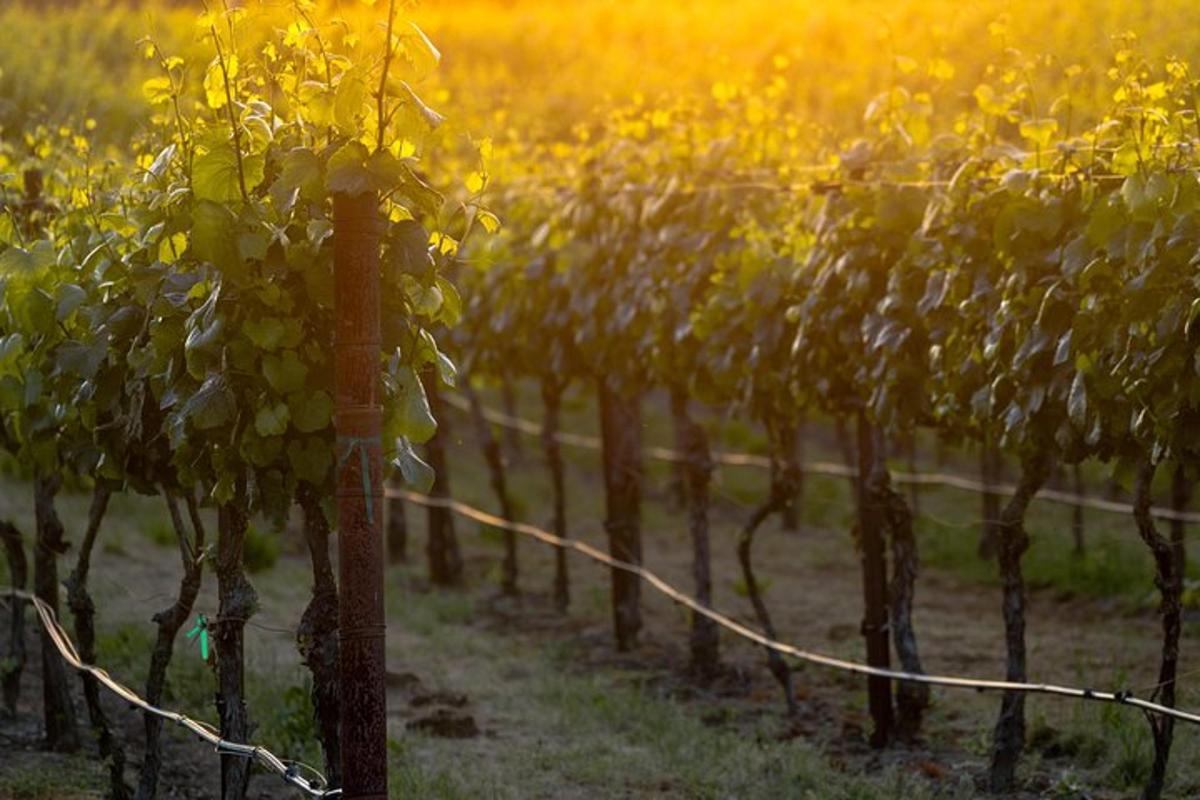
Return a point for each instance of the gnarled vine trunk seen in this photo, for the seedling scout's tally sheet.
(692, 442)
(552, 403)
(1168, 577)
(18, 569)
(317, 636)
(169, 621)
(237, 602)
(777, 498)
(83, 610)
(1008, 738)
(788, 460)
(621, 434)
(59, 712)
(441, 547)
(1181, 497)
(911, 698)
(872, 524)
(494, 457)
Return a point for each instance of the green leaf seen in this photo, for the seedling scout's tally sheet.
(1147, 196)
(272, 420)
(416, 473)
(420, 54)
(70, 297)
(34, 310)
(15, 260)
(43, 255)
(420, 193)
(8, 229)
(33, 387)
(216, 174)
(161, 162)
(211, 406)
(319, 230)
(446, 369)
(1077, 402)
(408, 248)
(385, 170)
(285, 374)
(201, 341)
(348, 103)
(267, 333)
(170, 248)
(311, 412)
(1189, 327)
(412, 417)
(214, 237)
(417, 107)
(452, 308)
(79, 359)
(426, 300)
(224, 489)
(252, 246)
(10, 392)
(1062, 353)
(310, 459)
(157, 90)
(302, 169)
(11, 348)
(1039, 131)
(259, 450)
(348, 173)
(1125, 161)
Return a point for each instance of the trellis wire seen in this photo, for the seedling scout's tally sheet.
(834, 469)
(1123, 697)
(289, 771)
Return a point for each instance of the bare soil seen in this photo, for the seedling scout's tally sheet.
(462, 663)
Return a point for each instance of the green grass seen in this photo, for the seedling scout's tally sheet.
(555, 726)
(1115, 563)
(281, 708)
(261, 550)
(52, 777)
(599, 734)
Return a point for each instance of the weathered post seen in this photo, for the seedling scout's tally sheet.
(358, 422)
(871, 524)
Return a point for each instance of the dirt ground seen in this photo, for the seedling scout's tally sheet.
(495, 698)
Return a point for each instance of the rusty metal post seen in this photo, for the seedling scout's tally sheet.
(358, 421)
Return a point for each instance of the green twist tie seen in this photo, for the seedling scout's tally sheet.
(360, 443)
(200, 630)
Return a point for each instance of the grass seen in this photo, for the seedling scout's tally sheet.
(279, 697)
(601, 734)
(52, 777)
(555, 725)
(1115, 562)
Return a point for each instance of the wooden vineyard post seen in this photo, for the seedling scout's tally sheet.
(358, 422)
(871, 523)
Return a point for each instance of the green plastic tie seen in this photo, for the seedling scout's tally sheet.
(200, 630)
(361, 444)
